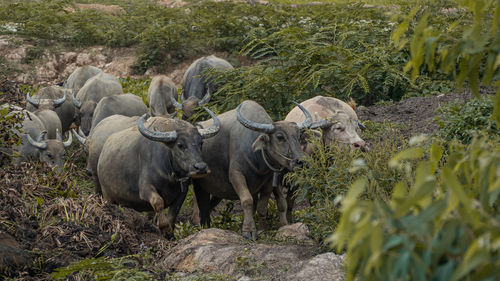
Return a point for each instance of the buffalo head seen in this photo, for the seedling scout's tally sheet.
(52, 151)
(45, 103)
(189, 105)
(184, 142)
(280, 143)
(343, 130)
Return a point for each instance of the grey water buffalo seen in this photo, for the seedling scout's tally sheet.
(77, 79)
(196, 88)
(343, 128)
(35, 145)
(243, 157)
(144, 167)
(126, 104)
(160, 94)
(56, 99)
(100, 86)
(98, 136)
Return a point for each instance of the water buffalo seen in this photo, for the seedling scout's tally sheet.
(78, 78)
(34, 144)
(127, 104)
(196, 88)
(98, 136)
(160, 94)
(144, 167)
(53, 98)
(243, 157)
(343, 128)
(100, 86)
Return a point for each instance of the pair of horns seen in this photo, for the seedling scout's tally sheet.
(203, 101)
(36, 102)
(40, 140)
(269, 128)
(171, 136)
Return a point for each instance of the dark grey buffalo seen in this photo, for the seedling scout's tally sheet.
(53, 98)
(78, 78)
(98, 136)
(160, 94)
(100, 86)
(35, 145)
(196, 88)
(144, 167)
(243, 157)
(127, 104)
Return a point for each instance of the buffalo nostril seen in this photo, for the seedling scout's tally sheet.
(88, 172)
(359, 144)
(201, 166)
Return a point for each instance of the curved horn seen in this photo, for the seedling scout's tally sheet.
(59, 102)
(58, 135)
(175, 103)
(323, 124)
(308, 121)
(152, 135)
(172, 115)
(34, 102)
(206, 98)
(81, 139)
(69, 141)
(361, 126)
(212, 130)
(259, 127)
(81, 133)
(38, 143)
(182, 96)
(75, 101)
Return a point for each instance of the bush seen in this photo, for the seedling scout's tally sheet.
(462, 121)
(442, 224)
(330, 171)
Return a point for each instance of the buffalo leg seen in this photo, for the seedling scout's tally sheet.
(203, 200)
(240, 186)
(173, 210)
(195, 215)
(262, 206)
(290, 202)
(148, 193)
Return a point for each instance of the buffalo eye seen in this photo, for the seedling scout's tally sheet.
(49, 155)
(181, 146)
(280, 137)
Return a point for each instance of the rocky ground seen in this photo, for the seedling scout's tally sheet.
(46, 222)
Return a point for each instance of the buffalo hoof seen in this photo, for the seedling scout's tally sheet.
(250, 235)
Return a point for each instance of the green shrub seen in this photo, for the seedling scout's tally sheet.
(462, 121)
(330, 171)
(9, 123)
(124, 268)
(442, 224)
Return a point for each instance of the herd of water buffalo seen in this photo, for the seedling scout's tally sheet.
(147, 163)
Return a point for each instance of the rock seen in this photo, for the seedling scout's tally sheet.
(224, 252)
(12, 255)
(327, 266)
(297, 231)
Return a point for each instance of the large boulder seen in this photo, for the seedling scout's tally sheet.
(225, 253)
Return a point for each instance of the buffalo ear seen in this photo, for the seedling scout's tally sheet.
(260, 142)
